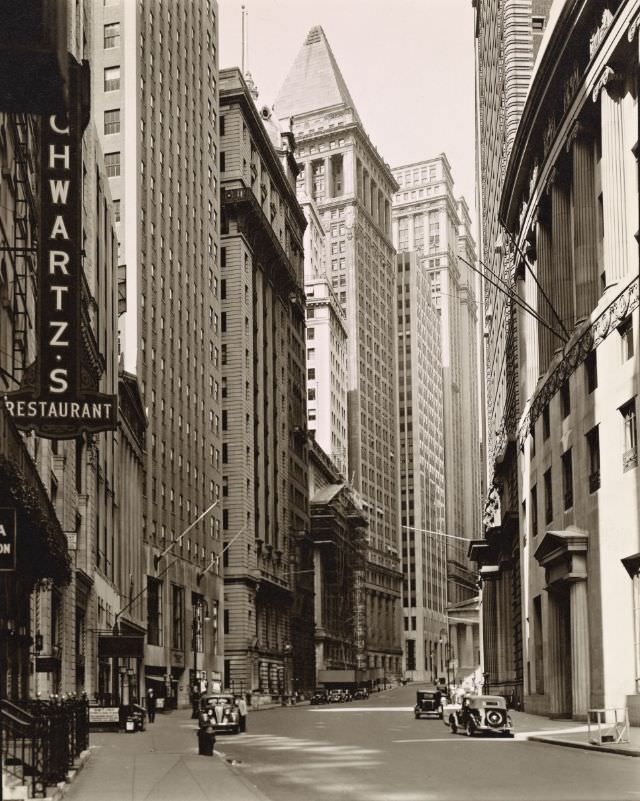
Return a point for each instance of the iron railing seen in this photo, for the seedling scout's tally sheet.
(43, 739)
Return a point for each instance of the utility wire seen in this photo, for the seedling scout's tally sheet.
(526, 261)
(512, 296)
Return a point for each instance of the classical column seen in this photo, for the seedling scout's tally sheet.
(562, 274)
(584, 222)
(308, 178)
(489, 628)
(469, 658)
(613, 177)
(579, 649)
(546, 340)
(328, 178)
(348, 171)
(556, 659)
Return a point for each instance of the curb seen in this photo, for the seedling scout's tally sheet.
(63, 787)
(607, 749)
(258, 795)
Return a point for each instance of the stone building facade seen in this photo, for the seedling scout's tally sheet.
(352, 187)
(155, 78)
(507, 39)
(264, 452)
(570, 205)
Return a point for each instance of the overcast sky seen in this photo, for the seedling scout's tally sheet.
(408, 65)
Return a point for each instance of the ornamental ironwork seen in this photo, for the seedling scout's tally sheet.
(577, 350)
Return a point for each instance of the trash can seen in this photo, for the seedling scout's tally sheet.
(206, 741)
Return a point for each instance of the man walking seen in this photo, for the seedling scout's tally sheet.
(242, 709)
(151, 704)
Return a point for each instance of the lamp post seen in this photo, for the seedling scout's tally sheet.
(288, 648)
(200, 612)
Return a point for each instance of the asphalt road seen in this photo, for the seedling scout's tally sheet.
(375, 750)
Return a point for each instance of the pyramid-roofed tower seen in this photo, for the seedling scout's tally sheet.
(347, 182)
(314, 81)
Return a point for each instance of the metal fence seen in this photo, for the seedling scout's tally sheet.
(41, 740)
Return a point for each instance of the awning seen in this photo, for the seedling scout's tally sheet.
(41, 544)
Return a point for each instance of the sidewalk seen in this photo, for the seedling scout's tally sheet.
(159, 764)
(569, 733)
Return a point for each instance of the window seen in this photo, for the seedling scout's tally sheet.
(112, 163)
(567, 479)
(626, 337)
(311, 333)
(111, 35)
(221, 126)
(546, 423)
(311, 373)
(630, 455)
(537, 24)
(534, 510)
(593, 446)
(177, 620)
(111, 79)
(112, 121)
(565, 400)
(116, 211)
(154, 611)
(591, 371)
(548, 497)
(223, 161)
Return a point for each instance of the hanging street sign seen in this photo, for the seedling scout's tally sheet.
(7, 540)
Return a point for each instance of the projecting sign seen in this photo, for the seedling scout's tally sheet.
(58, 397)
(7, 540)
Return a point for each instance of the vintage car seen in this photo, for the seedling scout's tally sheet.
(428, 704)
(335, 696)
(481, 714)
(319, 697)
(219, 713)
(360, 694)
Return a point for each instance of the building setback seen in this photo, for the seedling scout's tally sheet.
(268, 623)
(570, 202)
(352, 186)
(155, 82)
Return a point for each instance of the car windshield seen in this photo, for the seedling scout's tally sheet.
(214, 700)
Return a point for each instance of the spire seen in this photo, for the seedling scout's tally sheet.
(314, 81)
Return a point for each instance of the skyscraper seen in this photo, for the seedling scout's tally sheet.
(430, 220)
(269, 616)
(155, 81)
(352, 187)
(505, 46)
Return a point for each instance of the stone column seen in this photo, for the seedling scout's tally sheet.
(555, 658)
(328, 178)
(562, 275)
(489, 628)
(546, 340)
(579, 649)
(308, 178)
(348, 172)
(613, 178)
(469, 657)
(585, 222)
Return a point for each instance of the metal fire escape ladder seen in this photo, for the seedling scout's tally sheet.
(24, 244)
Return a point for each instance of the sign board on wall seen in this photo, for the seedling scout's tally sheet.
(58, 397)
(104, 714)
(7, 540)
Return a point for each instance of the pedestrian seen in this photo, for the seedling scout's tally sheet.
(151, 704)
(242, 709)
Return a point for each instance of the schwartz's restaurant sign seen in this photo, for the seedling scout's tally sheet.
(58, 397)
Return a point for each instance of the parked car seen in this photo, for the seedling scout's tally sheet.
(320, 697)
(335, 696)
(220, 713)
(360, 694)
(428, 704)
(481, 714)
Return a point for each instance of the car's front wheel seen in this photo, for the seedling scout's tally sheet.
(470, 729)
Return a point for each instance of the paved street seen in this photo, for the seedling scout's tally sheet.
(363, 751)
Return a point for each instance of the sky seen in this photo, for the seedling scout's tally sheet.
(409, 66)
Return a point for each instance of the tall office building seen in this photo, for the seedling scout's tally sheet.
(422, 472)
(508, 33)
(429, 219)
(352, 187)
(268, 623)
(155, 80)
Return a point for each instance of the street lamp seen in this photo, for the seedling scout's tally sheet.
(288, 648)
